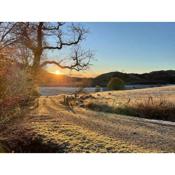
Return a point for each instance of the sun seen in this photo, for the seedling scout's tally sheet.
(58, 72)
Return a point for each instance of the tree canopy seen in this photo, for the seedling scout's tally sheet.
(115, 84)
(32, 42)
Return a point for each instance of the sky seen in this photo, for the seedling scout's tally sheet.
(130, 47)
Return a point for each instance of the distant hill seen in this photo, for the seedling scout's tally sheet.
(156, 77)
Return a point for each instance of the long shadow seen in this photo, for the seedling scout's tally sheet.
(29, 145)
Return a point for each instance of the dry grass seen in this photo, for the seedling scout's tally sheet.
(151, 109)
(12, 108)
(74, 138)
(150, 103)
(52, 127)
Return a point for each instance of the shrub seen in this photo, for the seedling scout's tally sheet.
(97, 88)
(115, 84)
(16, 89)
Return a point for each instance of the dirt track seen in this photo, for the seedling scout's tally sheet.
(51, 127)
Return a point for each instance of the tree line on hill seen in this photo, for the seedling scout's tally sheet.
(156, 77)
(152, 78)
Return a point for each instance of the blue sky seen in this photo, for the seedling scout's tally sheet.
(132, 47)
(129, 47)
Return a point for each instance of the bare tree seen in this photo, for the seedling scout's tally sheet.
(42, 36)
(6, 37)
(22, 55)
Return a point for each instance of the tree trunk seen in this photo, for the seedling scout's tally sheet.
(36, 68)
(38, 51)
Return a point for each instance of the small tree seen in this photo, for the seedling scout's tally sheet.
(116, 84)
(97, 88)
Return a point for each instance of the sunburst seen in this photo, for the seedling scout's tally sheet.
(58, 72)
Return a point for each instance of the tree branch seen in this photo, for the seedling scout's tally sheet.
(6, 39)
(81, 60)
(77, 34)
(52, 27)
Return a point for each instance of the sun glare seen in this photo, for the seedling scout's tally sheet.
(58, 72)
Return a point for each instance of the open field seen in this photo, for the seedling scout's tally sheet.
(152, 103)
(53, 127)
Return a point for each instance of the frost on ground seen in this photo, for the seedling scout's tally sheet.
(52, 127)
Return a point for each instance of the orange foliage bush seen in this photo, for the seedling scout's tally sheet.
(15, 87)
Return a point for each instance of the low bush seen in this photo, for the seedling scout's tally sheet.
(115, 84)
(16, 89)
(97, 88)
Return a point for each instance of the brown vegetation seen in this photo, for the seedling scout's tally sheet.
(145, 103)
(162, 110)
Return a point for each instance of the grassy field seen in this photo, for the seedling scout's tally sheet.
(152, 103)
(53, 127)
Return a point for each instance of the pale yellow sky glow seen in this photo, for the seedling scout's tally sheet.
(92, 72)
(55, 70)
